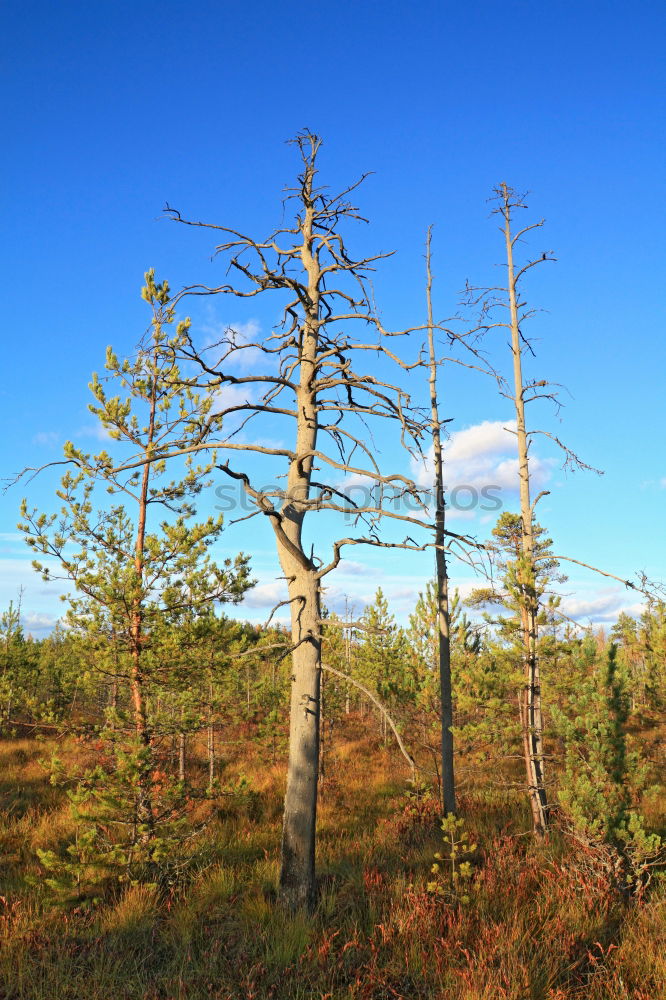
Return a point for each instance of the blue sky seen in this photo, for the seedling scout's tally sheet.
(113, 109)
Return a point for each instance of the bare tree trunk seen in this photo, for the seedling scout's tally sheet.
(443, 616)
(181, 756)
(347, 638)
(532, 719)
(297, 875)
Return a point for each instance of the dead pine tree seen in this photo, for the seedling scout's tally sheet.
(507, 300)
(443, 617)
(531, 709)
(320, 380)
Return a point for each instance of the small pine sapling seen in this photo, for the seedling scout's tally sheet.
(452, 869)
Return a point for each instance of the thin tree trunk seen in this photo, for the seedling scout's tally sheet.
(181, 756)
(137, 681)
(211, 757)
(322, 732)
(347, 641)
(211, 741)
(113, 694)
(532, 722)
(443, 615)
(144, 804)
(347, 646)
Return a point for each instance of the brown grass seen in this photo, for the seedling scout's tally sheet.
(541, 924)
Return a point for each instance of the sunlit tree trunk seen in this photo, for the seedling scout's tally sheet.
(532, 715)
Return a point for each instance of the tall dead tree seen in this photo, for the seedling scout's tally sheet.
(508, 298)
(532, 714)
(443, 617)
(509, 301)
(322, 388)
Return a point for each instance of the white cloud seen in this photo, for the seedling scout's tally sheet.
(266, 595)
(599, 606)
(347, 567)
(263, 442)
(359, 484)
(15, 573)
(41, 605)
(401, 600)
(46, 438)
(454, 514)
(478, 457)
(38, 624)
(465, 587)
(229, 396)
(490, 437)
(403, 594)
(96, 431)
(480, 464)
(242, 334)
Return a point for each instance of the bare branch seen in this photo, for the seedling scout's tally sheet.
(373, 698)
(572, 460)
(641, 588)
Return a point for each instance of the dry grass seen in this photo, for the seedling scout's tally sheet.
(540, 925)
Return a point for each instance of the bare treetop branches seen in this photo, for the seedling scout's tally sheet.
(504, 307)
(313, 353)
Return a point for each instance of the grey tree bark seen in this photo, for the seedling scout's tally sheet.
(532, 719)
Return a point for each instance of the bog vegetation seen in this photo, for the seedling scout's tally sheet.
(467, 806)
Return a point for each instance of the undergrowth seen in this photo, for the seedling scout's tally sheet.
(537, 921)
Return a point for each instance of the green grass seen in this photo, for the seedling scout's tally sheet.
(542, 923)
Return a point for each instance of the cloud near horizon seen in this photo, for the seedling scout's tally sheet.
(600, 606)
(483, 455)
